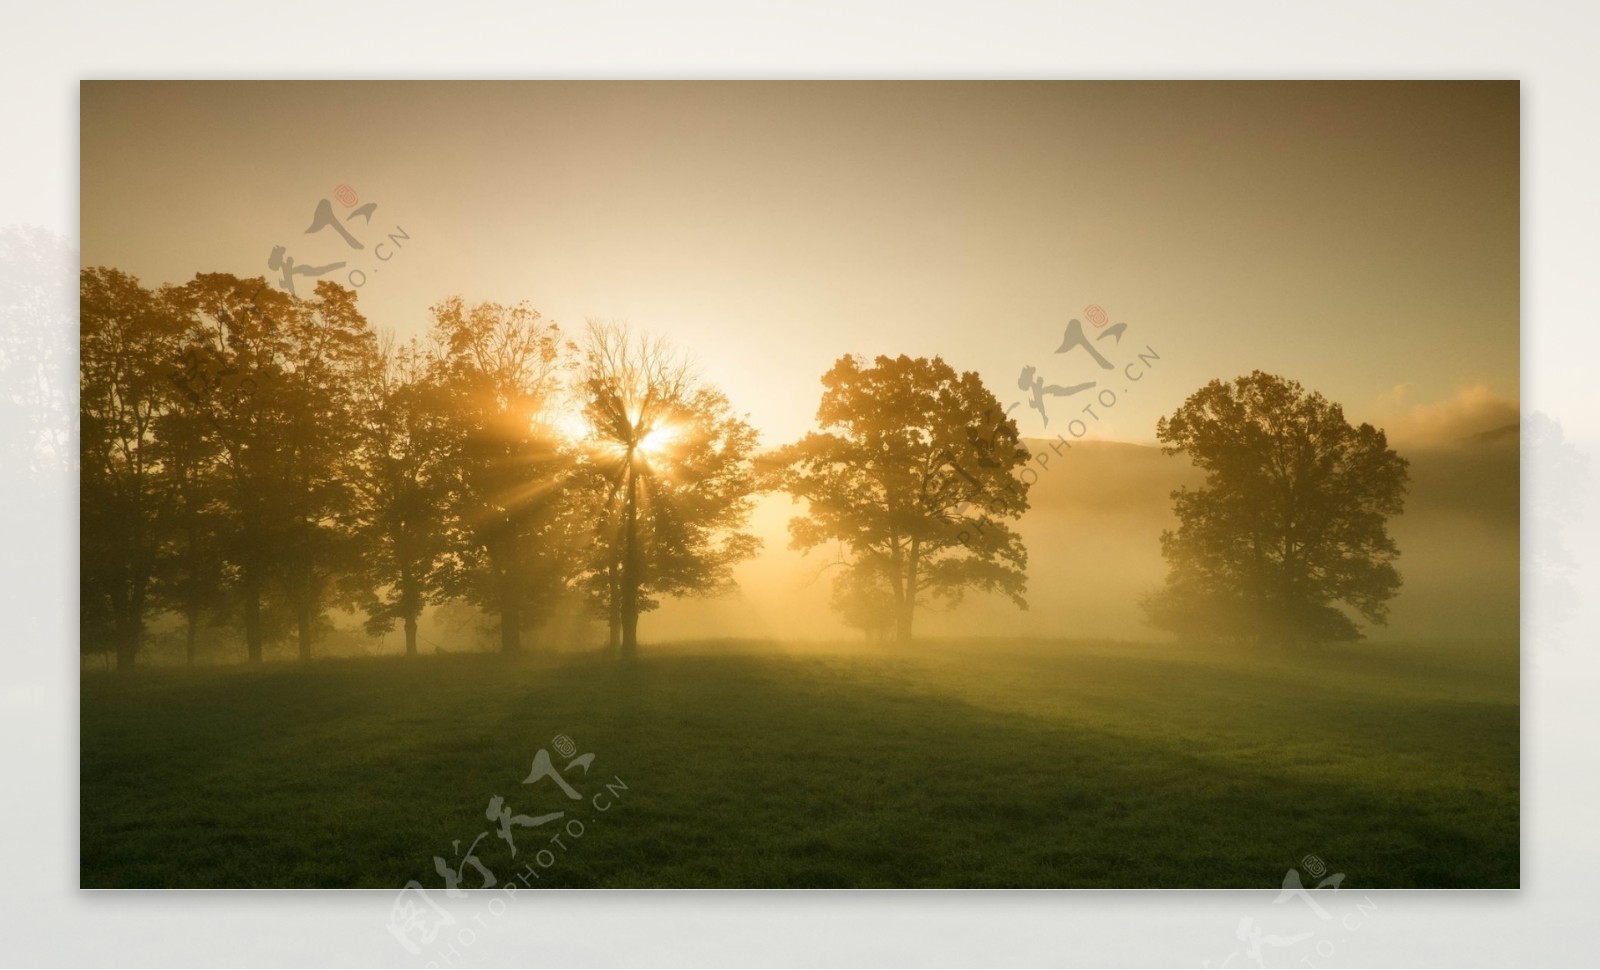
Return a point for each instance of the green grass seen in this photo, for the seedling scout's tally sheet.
(943, 764)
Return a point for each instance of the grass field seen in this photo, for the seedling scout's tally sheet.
(758, 764)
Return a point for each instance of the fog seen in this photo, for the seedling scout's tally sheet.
(1093, 538)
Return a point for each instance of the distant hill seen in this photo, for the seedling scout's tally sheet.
(1509, 432)
(1093, 536)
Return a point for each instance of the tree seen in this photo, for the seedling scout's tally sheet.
(331, 347)
(127, 343)
(1291, 523)
(191, 576)
(675, 472)
(400, 517)
(272, 377)
(913, 473)
(225, 374)
(497, 385)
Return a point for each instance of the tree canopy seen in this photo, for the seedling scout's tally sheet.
(127, 345)
(255, 456)
(1289, 529)
(497, 385)
(912, 475)
(672, 468)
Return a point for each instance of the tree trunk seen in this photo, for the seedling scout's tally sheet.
(613, 610)
(908, 597)
(630, 568)
(902, 623)
(630, 636)
(411, 604)
(126, 622)
(913, 562)
(510, 613)
(193, 597)
(902, 596)
(507, 566)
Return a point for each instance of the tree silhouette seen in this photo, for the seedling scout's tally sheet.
(273, 377)
(498, 386)
(401, 522)
(913, 473)
(128, 340)
(674, 471)
(191, 575)
(1292, 519)
(331, 348)
(228, 375)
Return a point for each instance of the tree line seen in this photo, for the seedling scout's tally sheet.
(259, 458)
(256, 456)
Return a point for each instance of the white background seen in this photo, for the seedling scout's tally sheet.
(45, 50)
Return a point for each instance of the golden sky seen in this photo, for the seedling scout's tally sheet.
(1360, 237)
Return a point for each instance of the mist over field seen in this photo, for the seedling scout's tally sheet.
(1093, 539)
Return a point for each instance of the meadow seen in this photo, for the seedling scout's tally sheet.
(760, 764)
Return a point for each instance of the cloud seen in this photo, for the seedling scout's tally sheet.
(1471, 410)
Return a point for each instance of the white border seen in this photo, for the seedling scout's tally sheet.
(46, 49)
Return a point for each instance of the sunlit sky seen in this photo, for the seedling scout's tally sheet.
(1360, 237)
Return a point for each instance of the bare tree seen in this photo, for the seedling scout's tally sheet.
(676, 472)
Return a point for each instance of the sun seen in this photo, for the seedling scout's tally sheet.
(658, 439)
